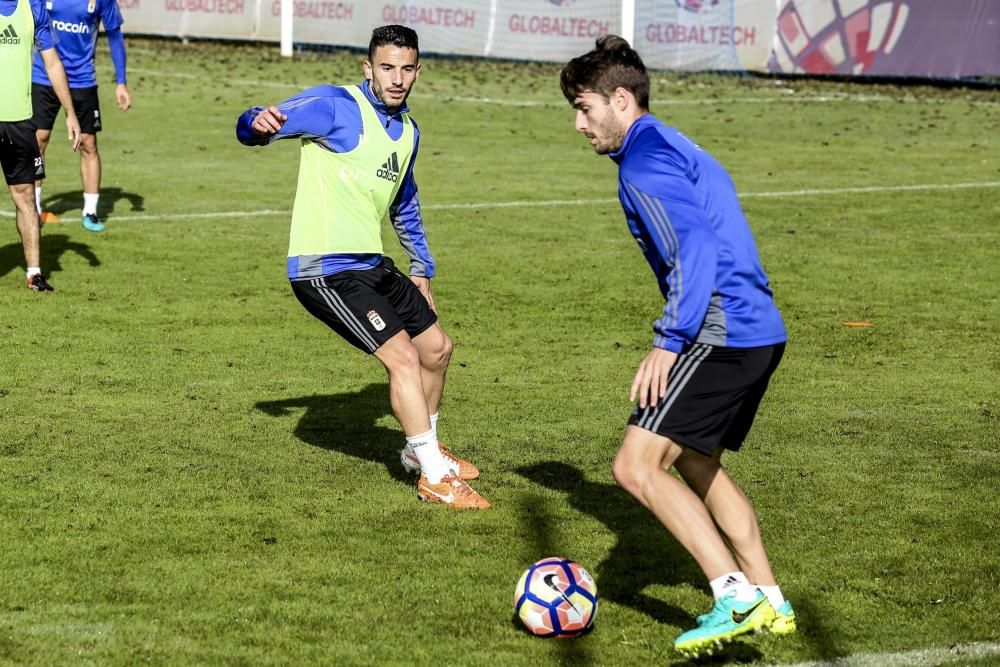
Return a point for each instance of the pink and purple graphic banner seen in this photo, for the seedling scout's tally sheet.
(919, 38)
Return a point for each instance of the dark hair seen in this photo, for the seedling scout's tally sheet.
(394, 35)
(610, 65)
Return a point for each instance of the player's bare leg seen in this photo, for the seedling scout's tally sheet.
(90, 163)
(640, 467)
(90, 176)
(27, 221)
(731, 510)
(47, 217)
(406, 388)
(737, 521)
(438, 482)
(434, 347)
(23, 195)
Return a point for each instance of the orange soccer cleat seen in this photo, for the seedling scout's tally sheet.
(451, 491)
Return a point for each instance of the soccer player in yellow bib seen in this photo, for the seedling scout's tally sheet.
(355, 170)
(24, 23)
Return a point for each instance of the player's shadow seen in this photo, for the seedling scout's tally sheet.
(62, 202)
(53, 247)
(645, 553)
(347, 423)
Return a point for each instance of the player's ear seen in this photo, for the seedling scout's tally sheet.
(621, 98)
(368, 69)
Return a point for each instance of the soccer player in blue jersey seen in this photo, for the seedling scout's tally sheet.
(719, 339)
(356, 169)
(75, 23)
(24, 24)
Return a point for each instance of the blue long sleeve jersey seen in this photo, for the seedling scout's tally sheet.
(329, 116)
(75, 24)
(681, 206)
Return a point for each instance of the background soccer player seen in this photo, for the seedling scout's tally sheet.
(356, 168)
(75, 23)
(24, 23)
(714, 349)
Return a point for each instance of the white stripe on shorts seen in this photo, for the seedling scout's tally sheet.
(340, 309)
(679, 377)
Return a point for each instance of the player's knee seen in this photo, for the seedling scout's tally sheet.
(437, 356)
(444, 350)
(404, 360)
(629, 475)
(24, 197)
(88, 145)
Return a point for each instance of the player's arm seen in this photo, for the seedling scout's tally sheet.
(112, 20)
(46, 44)
(116, 43)
(308, 115)
(683, 239)
(409, 226)
(57, 76)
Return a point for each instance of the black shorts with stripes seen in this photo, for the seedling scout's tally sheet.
(368, 307)
(712, 396)
(19, 156)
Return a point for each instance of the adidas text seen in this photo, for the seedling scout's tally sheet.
(389, 169)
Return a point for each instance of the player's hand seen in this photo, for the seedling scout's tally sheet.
(73, 129)
(650, 382)
(123, 97)
(268, 121)
(424, 285)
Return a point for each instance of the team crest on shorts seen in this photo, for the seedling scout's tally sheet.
(91, 6)
(376, 320)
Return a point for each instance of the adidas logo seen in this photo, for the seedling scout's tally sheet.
(9, 36)
(389, 169)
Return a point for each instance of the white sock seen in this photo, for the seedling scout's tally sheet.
(733, 581)
(773, 594)
(32, 270)
(38, 198)
(434, 424)
(425, 447)
(90, 202)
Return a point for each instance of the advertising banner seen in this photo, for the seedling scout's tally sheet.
(550, 30)
(705, 34)
(234, 19)
(455, 27)
(921, 38)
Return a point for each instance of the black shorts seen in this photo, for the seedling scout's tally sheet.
(45, 106)
(22, 163)
(712, 396)
(367, 308)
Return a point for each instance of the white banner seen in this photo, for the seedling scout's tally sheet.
(675, 34)
(705, 34)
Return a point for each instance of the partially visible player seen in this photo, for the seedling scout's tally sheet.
(24, 24)
(356, 169)
(719, 339)
(75, 23)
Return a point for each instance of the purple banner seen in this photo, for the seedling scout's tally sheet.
(922, 38)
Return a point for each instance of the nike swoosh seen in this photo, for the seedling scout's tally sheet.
(740, 616)
(450, 498)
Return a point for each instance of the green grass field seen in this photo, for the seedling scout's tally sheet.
(195, 471)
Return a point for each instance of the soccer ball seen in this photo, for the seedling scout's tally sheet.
(556, 597)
